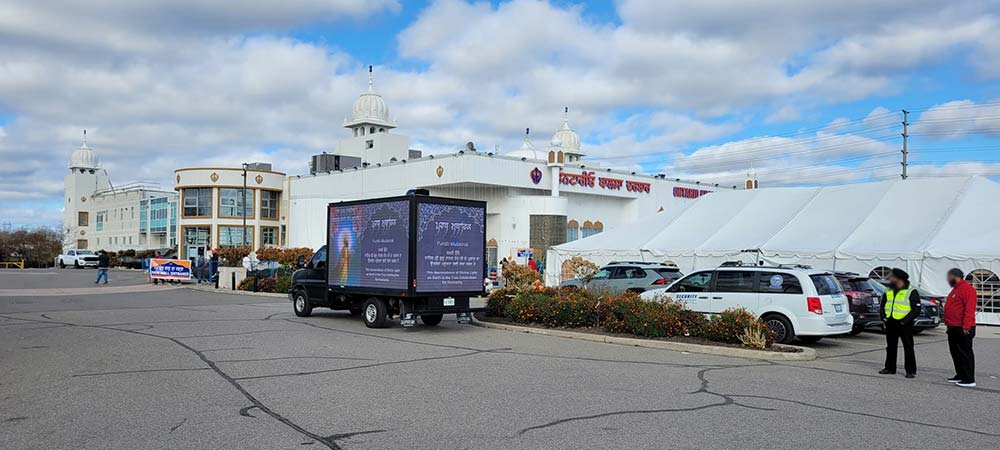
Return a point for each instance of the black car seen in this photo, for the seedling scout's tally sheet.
(863, 298)
(931, 308)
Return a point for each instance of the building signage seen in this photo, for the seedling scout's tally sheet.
(170, 269)
(683, 192)
(590, 179)
(536, 176)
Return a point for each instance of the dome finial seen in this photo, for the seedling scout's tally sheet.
(371, 79)
(85, 136)
(566, 115)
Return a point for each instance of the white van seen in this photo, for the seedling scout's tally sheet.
(794, 301)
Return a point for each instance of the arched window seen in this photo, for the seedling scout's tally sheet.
(591, 228)
(987, 286)
(381, 130)
(572, 231)
(371, 130)
(880, 273)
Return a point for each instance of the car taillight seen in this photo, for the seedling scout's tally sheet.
(815, 306)
(660, 281)
(933, 302)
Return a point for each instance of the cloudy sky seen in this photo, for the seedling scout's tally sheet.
(806, 92)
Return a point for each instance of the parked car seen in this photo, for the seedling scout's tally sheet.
(77, 258)
(931, 308)
(621, 276)
(863, 299)
(794, 301)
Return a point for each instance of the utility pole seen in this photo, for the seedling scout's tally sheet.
(906, 123)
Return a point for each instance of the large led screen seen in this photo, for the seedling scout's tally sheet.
(369, 245)
(450, 248)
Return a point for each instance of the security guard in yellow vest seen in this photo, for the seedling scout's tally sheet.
(900, 307)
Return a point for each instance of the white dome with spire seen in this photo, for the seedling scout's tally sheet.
(569, 139)
(527, 150)
(370, 108)
(83, 157)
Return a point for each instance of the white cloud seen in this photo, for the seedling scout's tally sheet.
(786, 113)
(958, 119)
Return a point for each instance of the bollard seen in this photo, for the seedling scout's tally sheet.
(234, 281)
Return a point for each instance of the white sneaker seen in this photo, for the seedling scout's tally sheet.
(964, 384)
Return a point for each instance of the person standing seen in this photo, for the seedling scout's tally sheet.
(532, 264)
(158, 256)
(960, 318)
(900, 307)
(213, 267)
(102, 266)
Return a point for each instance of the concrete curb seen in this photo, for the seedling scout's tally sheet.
(236, 292)
(807, 354)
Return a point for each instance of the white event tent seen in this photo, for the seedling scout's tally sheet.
(924, 226)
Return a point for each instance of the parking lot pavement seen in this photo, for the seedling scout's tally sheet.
(66, 278)
(186, 369)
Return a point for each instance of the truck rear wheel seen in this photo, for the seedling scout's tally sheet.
(301, 305)
(62, 264)
(374, 312)
(431, 319)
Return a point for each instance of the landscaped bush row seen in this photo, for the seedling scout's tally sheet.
(625, 313)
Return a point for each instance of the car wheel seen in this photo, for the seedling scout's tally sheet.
(810, 339)
(856, 331)
(781, 327)
(917, 330)
(374, 312)
(62, 264)
(431, 319)
(302, 306)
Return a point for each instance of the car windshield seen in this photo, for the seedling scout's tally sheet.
(670, 274)
(878, 287)
(84, 252)
(861, 284)
(826, 284)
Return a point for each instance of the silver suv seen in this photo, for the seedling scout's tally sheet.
(621, 276)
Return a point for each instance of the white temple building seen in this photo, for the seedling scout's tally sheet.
(536, 198)
(100, 216)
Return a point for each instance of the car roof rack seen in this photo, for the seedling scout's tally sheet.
(731, 264)
(633, 262)
(794, 266)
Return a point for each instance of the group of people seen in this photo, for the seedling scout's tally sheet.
(901, 306)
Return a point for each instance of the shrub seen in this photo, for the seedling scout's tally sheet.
(553, 308)
(577, 267)
(264, 284)
(498, 300)
(233, 256)
(729, 326)
(283, 283)
(757, 335)
(627, 313)
(520, 277)
(285, 256)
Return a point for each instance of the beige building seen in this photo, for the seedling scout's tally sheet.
(212, 208)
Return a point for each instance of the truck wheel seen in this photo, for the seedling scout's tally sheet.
(374, 312)
(301, 305)
(782, 328)
(431, 319)
(62, 264)
(76, 264)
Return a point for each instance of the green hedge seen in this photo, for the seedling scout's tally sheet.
(625, 313)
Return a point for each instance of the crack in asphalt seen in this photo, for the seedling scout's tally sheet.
(175, 427)
(366, 366)
(120, 372)
(276, 358)
(245, 411)
(228, 334)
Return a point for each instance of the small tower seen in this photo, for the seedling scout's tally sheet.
(85, 178)
(527, 150)
(751, 179)
(569, 140)
(555, 163)
(369, 115)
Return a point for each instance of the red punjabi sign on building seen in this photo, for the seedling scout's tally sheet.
(590, 179)
(683, 192)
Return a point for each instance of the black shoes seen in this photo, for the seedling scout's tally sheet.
(954, 379)
(910, 375)
(887, 372)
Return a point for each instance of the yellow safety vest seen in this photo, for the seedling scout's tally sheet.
(897, 305)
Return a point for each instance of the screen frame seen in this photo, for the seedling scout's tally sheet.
(410, 291)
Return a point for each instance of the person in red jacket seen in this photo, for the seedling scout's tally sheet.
(960, 318)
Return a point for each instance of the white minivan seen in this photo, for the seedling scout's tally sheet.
(794, 301)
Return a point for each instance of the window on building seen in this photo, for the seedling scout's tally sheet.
(81, 243)
(231, 202)
(987, 286)
(572, 231)
(233, 236)
(269, 204)
(370, 143)
(195, 238)
(269, 236)
(130, 240)
(100, 221)
(197, 202)
(283, 235)
(83, 218)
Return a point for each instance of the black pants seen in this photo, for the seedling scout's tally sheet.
(960, 345)
(894, 332)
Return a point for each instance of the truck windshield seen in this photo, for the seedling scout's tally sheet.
(84, 252)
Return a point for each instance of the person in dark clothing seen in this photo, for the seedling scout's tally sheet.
(900, 307)
(158, 256)
(213, 266)
(102, 266)
(960, 318)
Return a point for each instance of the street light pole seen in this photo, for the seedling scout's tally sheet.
(243, 213)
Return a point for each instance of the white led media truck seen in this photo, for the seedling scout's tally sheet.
(412, 256)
